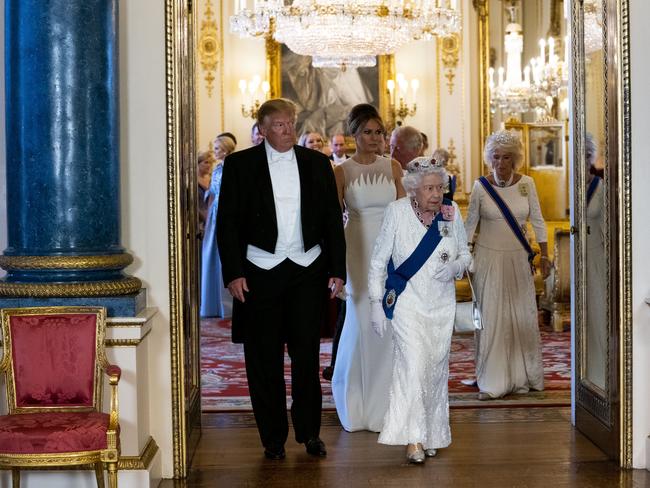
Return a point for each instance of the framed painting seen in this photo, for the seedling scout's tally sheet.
(324, 96)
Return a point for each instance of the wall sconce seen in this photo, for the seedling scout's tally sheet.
(398, 89)
(252, 91)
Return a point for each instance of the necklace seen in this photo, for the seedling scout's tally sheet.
(501, 183)
(420, 215)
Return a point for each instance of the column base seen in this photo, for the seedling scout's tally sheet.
(116, 306)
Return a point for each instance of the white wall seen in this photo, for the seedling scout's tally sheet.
(640, 80)
(144, 190)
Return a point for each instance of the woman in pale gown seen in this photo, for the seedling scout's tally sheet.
(595, 272)
(366, 183)
(211, 280)
(423, 317)
(508, 349)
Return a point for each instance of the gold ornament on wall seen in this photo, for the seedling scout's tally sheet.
(450, 48)
(209, 47)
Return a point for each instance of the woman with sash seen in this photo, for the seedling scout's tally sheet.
(508, 349)
(420, 250)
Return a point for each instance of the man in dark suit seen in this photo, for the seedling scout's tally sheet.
(337, 145)
(280, 237)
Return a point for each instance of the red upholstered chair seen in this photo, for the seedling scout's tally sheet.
(53, 362)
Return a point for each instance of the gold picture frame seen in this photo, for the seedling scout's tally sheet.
(385, 71)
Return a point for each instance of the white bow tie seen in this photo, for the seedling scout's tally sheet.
(277, 157)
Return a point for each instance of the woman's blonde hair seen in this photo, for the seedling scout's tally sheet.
(226, 142)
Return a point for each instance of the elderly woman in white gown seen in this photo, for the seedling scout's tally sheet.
(420, 249)
(509, 352)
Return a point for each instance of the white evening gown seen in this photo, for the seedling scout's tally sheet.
(596, 276)
(422, 326)
(363, 362)
(508, 349)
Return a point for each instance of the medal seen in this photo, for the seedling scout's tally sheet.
(390, 298)
(523, 189)
(443, 228)
(444, 256)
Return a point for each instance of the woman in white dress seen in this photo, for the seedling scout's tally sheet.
(508, 349)
(366, 183)
(423, 314)
(596, 273)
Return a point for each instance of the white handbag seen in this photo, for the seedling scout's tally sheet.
(477, 319)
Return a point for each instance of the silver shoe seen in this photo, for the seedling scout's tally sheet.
(416, 457)
(430, 452)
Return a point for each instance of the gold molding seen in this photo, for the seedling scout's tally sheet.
(273, 66)
(209, 47)
(385, 71)
(124, 286)
(482, 10)
(177, 32)
(625, 192)
(126, 342)
(143, 460)
(450, 50)
(99, 261)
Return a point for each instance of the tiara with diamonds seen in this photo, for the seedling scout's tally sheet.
(421, 163)
(506, 138)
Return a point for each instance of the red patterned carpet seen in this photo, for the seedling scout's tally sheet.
(224, 385)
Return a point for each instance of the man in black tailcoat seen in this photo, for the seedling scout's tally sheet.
(281, 242)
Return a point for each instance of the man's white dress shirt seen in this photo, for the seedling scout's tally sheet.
(338, 160)
(286, 194)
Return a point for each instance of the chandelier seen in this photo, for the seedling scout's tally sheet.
(537, 85)
(593, 26)
(339, 33)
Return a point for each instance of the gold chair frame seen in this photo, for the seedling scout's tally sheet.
(109, 456)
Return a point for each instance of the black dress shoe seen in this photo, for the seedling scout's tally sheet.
(316, 447)
(274, 452)
(328, 372)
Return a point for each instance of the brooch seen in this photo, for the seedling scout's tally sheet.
(390, 298)
(444, 256)
(523, 189)
(443, 228)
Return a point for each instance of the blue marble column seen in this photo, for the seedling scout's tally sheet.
(62, 133)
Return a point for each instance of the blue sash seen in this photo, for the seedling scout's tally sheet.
(510, 219)
(592, 188)
(397, 278)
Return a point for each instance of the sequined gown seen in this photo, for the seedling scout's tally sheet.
(422, 326)
(363, 363)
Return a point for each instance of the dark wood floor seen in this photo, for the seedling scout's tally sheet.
(498, 447)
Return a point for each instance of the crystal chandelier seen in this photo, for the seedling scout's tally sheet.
(535, 87)
(593, 26)
(338, 33)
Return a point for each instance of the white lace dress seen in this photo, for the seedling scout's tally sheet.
(508, 349)
(363, 362)
(422, 325)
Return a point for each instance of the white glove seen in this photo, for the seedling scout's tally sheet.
(448, 272)
(377, 318)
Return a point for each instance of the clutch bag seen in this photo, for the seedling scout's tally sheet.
(477, 318)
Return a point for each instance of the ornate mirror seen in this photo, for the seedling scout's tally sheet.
(601, 226)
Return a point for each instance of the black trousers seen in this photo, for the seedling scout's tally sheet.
(284, 305)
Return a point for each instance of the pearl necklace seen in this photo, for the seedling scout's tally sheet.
(501, 183)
